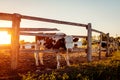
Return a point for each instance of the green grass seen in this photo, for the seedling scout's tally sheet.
(108, 69)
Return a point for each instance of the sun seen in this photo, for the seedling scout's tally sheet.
(5, 38)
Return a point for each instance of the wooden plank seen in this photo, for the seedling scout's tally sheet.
(77, 36)
(52, 21)
(89, 41)
(6, 16)
(97, 31)
(39, 29)
(40, 34)
(35, 34)
(49, 50)
(47, 34)
(5, 29)
(34, 51)
(29, 29)
(15, 41)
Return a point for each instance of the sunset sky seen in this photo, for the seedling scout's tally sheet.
(103, 14)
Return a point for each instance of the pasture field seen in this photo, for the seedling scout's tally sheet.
(79, 66)
(105, 69)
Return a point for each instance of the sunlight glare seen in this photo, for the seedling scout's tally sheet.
(5, 38)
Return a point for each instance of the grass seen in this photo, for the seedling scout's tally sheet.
(108, 69)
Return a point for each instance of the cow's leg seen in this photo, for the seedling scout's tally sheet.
(41, 58)
(58, 60)
(41, 55)
(36, 58)
(66, 57)
(36, 55)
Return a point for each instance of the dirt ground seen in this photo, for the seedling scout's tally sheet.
(26, 62)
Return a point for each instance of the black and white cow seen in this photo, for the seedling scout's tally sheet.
(59, 42)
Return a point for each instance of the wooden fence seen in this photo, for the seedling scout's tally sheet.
(107, 42)
(16, 31)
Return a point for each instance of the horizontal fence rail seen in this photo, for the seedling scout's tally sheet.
(48, 34)
(7, 16)
(39, 29)
(5, 29)
(50, 51)
(77, 36)
(29, 29)
(53, 21)
(97, 31)
(43, 51)
(35, 34)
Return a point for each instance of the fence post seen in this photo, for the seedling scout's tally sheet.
(107, 49)
(89, 43)
(100, 45)
(15, 40)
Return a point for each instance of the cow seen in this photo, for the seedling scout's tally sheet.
(59, 42)
(39, 46)
(109, 45)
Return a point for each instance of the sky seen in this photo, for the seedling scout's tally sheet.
(104, 15)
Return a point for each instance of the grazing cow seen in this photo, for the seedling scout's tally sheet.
(59, 42)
